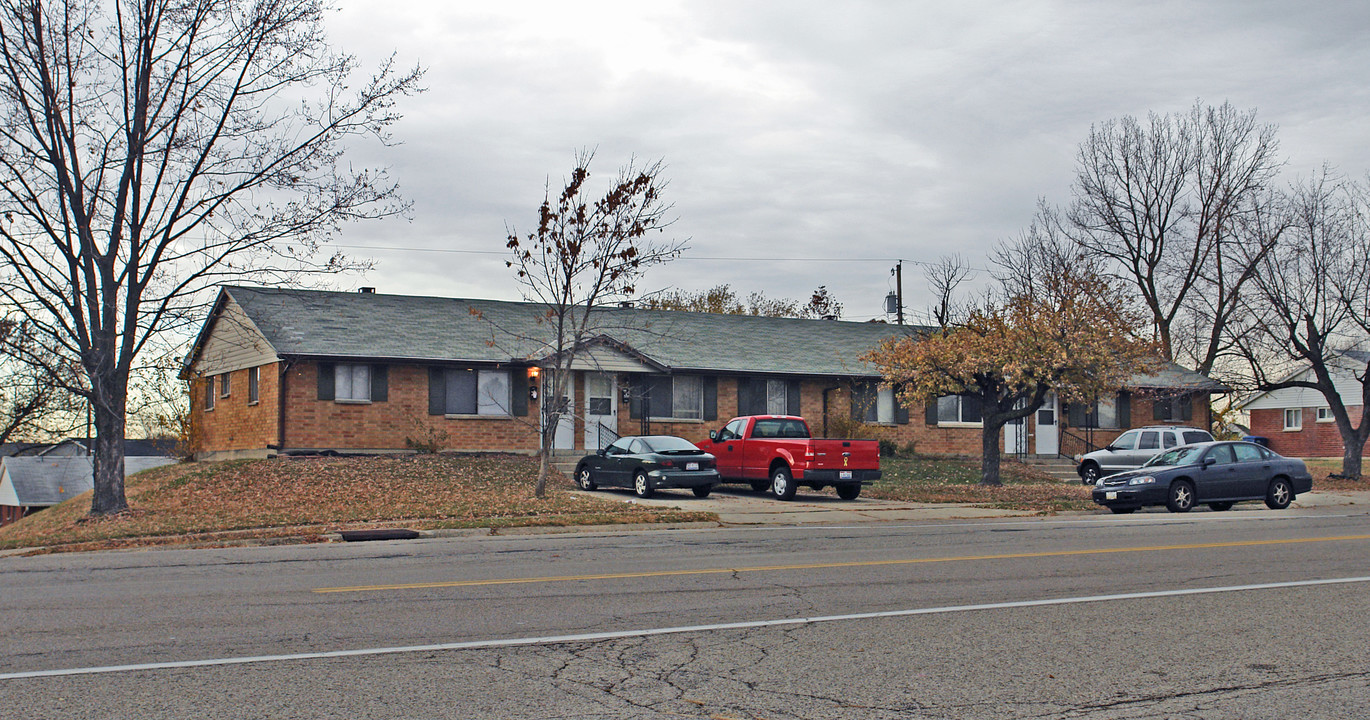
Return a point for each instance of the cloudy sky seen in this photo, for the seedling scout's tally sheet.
(815, 143)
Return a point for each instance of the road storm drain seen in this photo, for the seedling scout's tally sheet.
(367, 535)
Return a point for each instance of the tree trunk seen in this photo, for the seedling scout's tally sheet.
(1353, 446)
(108, 410)
(989, 451)
(547, 433)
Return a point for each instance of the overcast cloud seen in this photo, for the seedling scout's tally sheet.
(846, 134)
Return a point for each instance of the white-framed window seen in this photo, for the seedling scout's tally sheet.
(958, 409)
(777, 397)
(209, 393)
(1325, 414)
(873, 403)
(675, 397)
(478, 392)
(223, 384)
(254, 385)
(352, 382)
(1293, 419)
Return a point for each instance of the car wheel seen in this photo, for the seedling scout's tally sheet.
(703, 491)
(584, 479)
(849, 492)
(642, 485)
(1089, 473)
(1122, 511)
(1279, 495)
(1181, 497)
(761, 485)
(782, 484)
(1220, 506)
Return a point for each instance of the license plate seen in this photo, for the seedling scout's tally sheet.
(1110, 496)
(843, 474)
(691, 466)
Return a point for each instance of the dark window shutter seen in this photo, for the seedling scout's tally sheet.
(930, 411)
(380, 383)
(1075, 413)
(744, 395)
(792, 398)
(437, 391)
(1186, 407)
(635, 390)
(858, 402)
(901, 411)
(1124, 409)
(971, 411)
(518, 385)
(659, 397)
(325, 381)
(710, 398)
(462, 387)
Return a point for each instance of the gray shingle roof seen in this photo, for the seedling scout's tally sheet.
(376, 326)
(43, 481)
(402, 327)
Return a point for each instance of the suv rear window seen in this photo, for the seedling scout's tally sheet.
(1196, 436)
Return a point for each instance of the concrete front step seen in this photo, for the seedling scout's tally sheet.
(1058, 468)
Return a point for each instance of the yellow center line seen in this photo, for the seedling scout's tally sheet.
(817, 566)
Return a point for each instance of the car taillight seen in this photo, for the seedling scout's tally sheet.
(667, 463)
(808, 453)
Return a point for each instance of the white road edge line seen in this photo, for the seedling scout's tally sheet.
(596, 637)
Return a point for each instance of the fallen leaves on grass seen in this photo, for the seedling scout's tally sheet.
(304, 496)
(954, 480)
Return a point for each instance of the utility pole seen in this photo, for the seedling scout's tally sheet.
(899, 289)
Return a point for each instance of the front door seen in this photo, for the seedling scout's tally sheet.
(565, 436)
(601, 417)
(1015, 434)
(1048, 433)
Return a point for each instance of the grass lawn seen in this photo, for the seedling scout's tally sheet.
(1322, 468)
(956, 480)
(216, 503)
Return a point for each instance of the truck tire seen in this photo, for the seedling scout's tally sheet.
(782, 483)
(849, 492)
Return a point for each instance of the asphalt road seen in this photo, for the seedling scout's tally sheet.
(1095, 616)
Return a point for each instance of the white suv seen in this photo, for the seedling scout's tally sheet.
(1133, 448)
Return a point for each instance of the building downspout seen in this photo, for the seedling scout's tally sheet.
(280, 405)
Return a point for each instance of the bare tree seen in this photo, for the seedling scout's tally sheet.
(33, 404)
(1169, 203)
(151, 149)
(587, 252)
(1314, 304)
(944, 278)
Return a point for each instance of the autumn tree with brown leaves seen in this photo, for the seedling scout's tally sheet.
(1052, 326)
(587, 252)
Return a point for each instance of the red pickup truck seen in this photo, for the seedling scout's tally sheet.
(776, 453)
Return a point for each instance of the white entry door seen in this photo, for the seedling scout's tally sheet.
(1016, 434)
(1048, 427)
(565, 436)
(601, 416)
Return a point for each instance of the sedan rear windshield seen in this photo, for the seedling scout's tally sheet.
(670, 444)
(1184, 455)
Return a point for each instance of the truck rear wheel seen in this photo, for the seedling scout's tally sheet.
(782, 484)
(849, 492)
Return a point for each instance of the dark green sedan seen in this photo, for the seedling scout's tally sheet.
(648, 463)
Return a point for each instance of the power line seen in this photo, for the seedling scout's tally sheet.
(711, 258)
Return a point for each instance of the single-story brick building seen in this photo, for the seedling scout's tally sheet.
(1298, 421)
(277, 370)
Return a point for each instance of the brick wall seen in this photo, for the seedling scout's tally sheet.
(323, 424)
(1316, 439)
(233, 424)
(315, 424)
